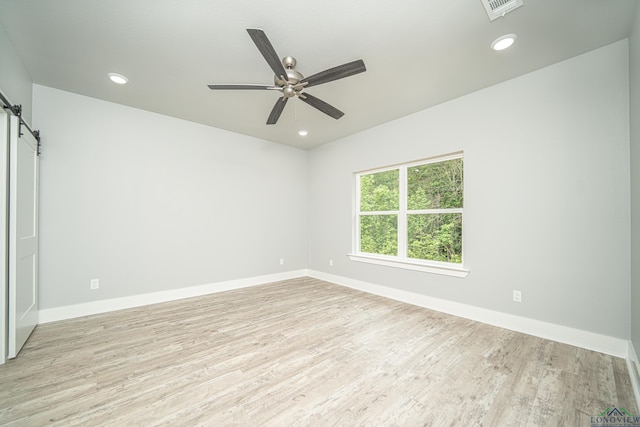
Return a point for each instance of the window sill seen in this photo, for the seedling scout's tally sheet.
(407, 264)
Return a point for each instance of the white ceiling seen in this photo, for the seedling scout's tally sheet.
(418, 53)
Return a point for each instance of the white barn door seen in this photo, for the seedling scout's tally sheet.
(4, 206)
(23, 236)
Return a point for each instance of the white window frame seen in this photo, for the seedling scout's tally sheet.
(401, 260)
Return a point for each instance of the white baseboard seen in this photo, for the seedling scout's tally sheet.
(114, 304)
(633, 365)
(609, 345)
(589, 340)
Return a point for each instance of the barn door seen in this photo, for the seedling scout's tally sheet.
(4, 205)
(23, 236)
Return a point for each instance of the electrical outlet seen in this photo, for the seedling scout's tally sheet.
(330, 263)
(517, 296)
(95, 283)
(281, 261)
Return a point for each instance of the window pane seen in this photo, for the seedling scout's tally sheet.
(435, 185)
(435, 237)
(379, 191)
(379, 234)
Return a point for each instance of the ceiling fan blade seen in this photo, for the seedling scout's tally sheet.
(277, 110)
(321, 105)
(242, 87)
(264, 46)
(335, 73)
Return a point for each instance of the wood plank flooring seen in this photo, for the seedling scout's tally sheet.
(301, 352)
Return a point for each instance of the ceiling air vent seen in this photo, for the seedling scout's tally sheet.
(497, 8)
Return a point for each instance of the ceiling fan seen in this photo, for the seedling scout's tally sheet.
(290, 82)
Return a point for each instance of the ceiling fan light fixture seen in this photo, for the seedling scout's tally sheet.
(503, 42)
(118, 78)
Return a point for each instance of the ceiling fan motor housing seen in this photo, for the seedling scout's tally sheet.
(290, 87)
(293, 77)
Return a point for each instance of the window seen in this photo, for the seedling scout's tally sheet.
(410, 215)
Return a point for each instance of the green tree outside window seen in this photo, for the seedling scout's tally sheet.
(430, 214)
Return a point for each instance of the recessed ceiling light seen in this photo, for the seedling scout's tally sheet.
(503, 42)
(303, 132)
(118, 78)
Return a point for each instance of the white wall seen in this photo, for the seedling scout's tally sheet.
(634, 73)
(148, 203)
(546, 194)
(15, 82)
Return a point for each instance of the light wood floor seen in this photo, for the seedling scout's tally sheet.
(301, 352)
